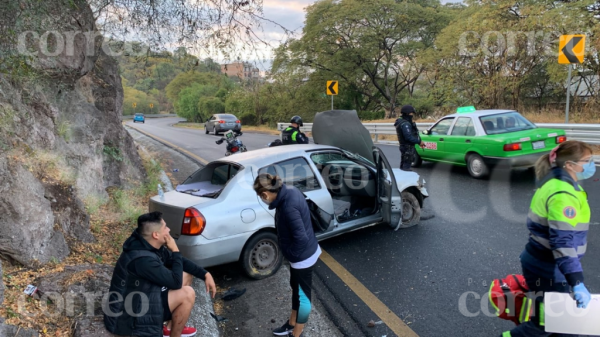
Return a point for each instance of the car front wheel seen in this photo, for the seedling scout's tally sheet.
(411, 210)
(477, 167)
(261, 256)
(206, 130)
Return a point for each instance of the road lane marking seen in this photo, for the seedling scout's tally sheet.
(186, 152)
(381, 310)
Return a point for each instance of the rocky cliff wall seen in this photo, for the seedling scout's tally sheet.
(61, 137)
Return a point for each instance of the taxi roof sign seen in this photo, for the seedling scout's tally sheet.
(465, 109)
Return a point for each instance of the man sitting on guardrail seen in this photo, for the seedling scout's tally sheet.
(408, 136)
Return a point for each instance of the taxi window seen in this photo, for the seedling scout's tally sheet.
(461, 126)
(505, 123)
(442, 127)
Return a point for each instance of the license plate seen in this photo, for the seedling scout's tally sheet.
(539, 145)
(230, 124)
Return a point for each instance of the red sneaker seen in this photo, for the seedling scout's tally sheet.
(188, 331)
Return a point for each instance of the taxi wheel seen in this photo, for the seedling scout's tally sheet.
(477, 167)
(261, 256)
(417, 160)
(411, 210)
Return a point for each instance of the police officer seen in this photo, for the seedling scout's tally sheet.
(292, 134)
(408, 136)
(558, 223)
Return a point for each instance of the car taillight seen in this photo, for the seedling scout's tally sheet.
(237, 121)
(193, 222)
(234, 149)
(512, 147)
(221, 122)
(561, 139)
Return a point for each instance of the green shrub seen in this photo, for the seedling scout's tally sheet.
(248, 119)
(370, 115)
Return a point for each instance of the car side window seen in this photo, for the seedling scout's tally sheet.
(442, 127)
(470, 129)
(460, 127)
(295, 172)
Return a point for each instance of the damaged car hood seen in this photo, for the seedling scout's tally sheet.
(343, 129)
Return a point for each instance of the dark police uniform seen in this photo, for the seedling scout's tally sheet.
(292, 135)
(408, 136)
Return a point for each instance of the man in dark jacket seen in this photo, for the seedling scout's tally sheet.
(292, 134)
(408, 136)
(297, 242)
(151, 284)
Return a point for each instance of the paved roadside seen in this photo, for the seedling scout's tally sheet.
(266, 303)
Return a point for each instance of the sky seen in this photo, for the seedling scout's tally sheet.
(290, 14)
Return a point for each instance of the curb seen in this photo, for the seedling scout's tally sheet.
(186, 153)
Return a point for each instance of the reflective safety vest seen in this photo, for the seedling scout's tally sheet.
(289, 135)
(558, 222)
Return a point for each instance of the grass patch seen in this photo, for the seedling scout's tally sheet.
(255, 128)
(64, 130)
(44, 165)
(111, 221)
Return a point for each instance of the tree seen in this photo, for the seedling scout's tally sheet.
(369, 44)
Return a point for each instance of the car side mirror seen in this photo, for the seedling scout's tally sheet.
(425, 132)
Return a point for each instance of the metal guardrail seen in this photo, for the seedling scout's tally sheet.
(150, 116)
(589, 133)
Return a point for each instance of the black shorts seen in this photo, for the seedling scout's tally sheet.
(167, 315)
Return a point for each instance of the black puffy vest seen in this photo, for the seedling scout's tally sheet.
(414, 130)
(286, 135)
(130, 303)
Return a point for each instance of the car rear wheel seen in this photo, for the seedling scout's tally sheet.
(261, 256)
(477, 167)
(417, 161)
(411, 210)
(215, 130)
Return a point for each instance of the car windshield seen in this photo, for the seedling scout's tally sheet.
(228, 117)
(139, 114)
(210, 180)
(505, 123)
(359, 157)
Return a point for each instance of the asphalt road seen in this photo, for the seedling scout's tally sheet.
(433, 275)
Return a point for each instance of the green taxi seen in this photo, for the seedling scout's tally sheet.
(483, 139)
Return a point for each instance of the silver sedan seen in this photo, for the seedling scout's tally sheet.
(217, 218)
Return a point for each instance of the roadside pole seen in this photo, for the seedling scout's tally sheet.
(568, 95)
(571, 49)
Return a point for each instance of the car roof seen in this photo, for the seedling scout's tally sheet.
(480, 113)
(265, 156)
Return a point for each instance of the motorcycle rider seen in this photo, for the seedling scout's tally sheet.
(408, 136)
(292, 134)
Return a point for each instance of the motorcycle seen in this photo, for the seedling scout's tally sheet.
(234, 145)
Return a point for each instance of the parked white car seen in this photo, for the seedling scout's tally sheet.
(217, 218)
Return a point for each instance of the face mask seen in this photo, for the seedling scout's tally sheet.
(588, 171)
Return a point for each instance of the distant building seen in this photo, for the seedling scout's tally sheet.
(243, 70)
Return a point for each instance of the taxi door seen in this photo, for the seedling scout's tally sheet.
(460, 140)
(435, 140)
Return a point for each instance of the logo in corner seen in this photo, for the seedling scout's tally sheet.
(569, 212)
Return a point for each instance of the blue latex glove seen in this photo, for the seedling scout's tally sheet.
(581, 295)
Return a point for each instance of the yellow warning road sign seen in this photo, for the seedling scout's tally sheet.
(571, 49)
(332, 87)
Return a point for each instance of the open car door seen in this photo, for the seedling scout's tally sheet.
(389, 198)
